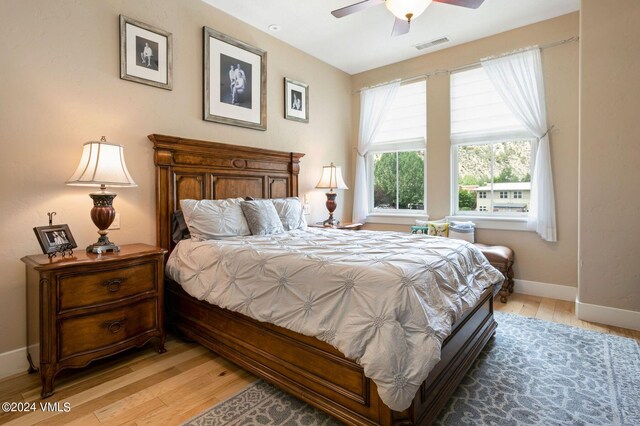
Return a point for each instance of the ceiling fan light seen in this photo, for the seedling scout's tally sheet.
(407, 9)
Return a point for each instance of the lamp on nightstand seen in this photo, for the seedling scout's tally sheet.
(331, 179)
(102, 164)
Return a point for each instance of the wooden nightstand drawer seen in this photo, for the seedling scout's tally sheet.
(92, 332)
(89, 306)
(98, 287)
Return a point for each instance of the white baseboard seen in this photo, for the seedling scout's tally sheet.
(13, 362)
(553, 291)
(608, 315)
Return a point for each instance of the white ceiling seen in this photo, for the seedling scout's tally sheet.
(363, 41)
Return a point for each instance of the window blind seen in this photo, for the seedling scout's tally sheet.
(405, 126)
(478, 113)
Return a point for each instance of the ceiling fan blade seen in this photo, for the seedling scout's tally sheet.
(356, 7)
(471, 4)
(400, 26)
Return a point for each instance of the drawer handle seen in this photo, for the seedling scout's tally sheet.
(115, 325)
(113, 285)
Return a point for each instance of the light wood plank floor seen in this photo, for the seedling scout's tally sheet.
(144, 388)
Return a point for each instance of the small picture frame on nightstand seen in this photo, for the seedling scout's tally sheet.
(55, 239)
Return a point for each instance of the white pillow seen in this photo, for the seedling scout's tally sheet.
(462, 231)
(214, 219)
(290, 212)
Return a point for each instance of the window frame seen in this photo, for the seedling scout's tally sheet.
(370, 180)
(397, 146)
(466, 215)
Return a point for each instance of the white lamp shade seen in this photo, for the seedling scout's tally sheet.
(402, 8)
(102, 163)
(331, 178)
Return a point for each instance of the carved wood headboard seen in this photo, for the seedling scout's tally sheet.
(194, 169)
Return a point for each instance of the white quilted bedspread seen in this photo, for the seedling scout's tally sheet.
(386, 300)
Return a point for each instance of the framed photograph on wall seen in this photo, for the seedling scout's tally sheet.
(235, 81)
(296, 100)
(55, 238)
(145, 54)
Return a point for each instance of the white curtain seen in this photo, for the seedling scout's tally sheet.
(518, 79)
(374, 105)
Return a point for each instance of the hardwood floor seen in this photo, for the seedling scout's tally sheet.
(144, 388)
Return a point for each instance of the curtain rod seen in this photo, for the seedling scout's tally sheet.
(471, 65)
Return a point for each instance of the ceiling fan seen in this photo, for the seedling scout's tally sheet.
(403, 10)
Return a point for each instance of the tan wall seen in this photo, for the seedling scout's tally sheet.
(60, 87)
(536, 260)
(609, 252)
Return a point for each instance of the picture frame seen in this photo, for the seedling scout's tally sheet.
(146, 54)
(55, 238)
(235, 81)
(296, 100)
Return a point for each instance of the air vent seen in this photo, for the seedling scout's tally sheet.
(432, 43)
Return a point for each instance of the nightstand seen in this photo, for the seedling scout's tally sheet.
(343, 225)
(90, 306)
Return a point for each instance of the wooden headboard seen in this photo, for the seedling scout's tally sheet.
(194, 169)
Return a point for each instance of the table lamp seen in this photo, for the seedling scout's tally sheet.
(102, 164)
(331, 179)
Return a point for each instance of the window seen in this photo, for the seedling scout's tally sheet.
(396, 162)
(491, 151)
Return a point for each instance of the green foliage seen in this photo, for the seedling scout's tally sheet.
(409, 188)
(469, 180)
(466, 199)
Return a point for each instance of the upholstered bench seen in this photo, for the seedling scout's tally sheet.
(501, 258)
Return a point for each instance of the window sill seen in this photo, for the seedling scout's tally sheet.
(396, 218)
(493, 222)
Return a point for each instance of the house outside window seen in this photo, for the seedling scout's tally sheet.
(491, 151)
(517, 194)
(396, 162)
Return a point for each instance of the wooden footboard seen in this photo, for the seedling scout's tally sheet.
(319, 374)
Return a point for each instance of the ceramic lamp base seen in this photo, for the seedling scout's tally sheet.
(102, 215)
(331, 207)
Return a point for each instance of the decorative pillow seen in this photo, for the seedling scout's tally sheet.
(262, 217)
(439, 229)
(179, 229)
(462, 231)
(214, 219)
(290, 212)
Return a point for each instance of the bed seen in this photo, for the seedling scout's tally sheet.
(304, 366)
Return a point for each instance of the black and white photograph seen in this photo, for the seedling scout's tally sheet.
(55, 238)
(145, 54)
(235, 81)
(296, 100)
(236, 89)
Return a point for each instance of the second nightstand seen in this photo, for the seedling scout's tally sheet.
(90, 306)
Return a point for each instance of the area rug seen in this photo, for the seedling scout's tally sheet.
(532, 372)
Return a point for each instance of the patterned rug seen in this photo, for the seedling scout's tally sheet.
(532, 373)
